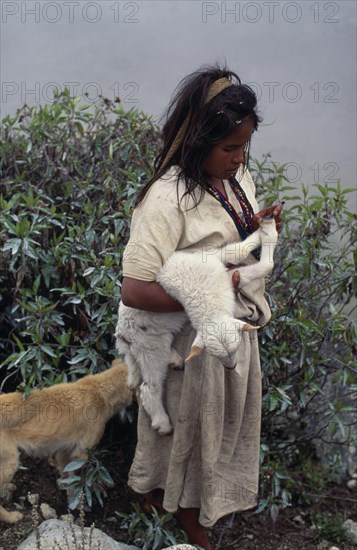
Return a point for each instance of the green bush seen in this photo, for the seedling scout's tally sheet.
(329, 527)
(151, 532)
(308, 348)
(89, 477)
(69, 176)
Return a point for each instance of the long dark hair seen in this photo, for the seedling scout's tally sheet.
(208, 125)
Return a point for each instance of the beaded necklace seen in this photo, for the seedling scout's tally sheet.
(243, 220)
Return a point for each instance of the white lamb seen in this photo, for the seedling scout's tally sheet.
(203, 285)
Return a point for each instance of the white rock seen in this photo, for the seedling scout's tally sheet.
(67, 517)
(33, 498)
(354, 476)
(334, 548)
(180, 547)
(47, 512)
(54, 530)
(351, 530)
(352, 483)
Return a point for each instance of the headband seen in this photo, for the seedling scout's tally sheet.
(216, 88)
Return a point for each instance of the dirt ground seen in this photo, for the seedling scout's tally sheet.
(293, 529)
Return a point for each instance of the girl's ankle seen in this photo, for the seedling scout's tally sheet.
(187, 519)
(154, 499)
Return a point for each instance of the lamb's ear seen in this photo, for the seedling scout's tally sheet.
(194, 352)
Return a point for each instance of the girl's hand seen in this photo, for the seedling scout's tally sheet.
(274, 211)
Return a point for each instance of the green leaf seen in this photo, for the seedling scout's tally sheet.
(48, 350)
(74, 465)
(69, 480)
(88, 496)
(74, 501)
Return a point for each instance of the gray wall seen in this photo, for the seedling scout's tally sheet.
(299, 56)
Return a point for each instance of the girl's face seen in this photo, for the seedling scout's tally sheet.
(224, 159)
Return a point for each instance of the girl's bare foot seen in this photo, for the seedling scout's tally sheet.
(188, 521)
(153, 499)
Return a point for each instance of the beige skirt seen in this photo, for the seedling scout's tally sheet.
(211, 461)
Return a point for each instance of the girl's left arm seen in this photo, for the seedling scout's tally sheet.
(147, 295)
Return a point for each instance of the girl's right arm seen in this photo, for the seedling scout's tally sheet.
(147, 295)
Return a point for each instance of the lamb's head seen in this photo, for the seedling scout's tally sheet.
(220, 339)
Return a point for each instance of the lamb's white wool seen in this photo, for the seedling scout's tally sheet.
(201, 282)
(145, 338)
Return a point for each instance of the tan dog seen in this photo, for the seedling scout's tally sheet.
(63, 420)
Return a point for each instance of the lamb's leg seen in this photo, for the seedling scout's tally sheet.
(261, 269)
(154, 372)
(134, 372)
(234, 253)
(176, 360)
(151, 398)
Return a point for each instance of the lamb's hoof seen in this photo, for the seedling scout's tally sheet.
(176, 360)
(174, 366)
(13, 517)
(163, 429)
(230, 367)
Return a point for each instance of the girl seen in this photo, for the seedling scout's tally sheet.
(201, 197)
